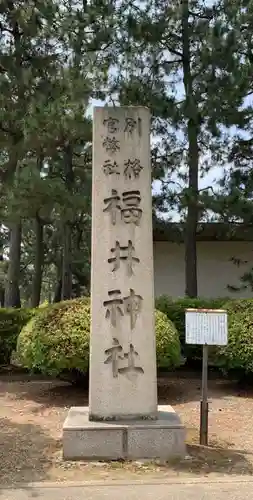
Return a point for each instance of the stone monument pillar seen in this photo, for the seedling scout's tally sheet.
(123, 353)
(123, 420)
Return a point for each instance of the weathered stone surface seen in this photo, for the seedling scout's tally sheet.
(162, 442)
(123, 353)
(84, 439)
(122, 420)
(162, 438)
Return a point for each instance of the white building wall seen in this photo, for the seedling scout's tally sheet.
(215, 268)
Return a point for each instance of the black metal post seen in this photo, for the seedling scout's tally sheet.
(203, 437)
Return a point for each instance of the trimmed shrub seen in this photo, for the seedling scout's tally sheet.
(11, 323)
(175, 308)
(56, 340)
(238, 353)
(168, 349)
(175, 311)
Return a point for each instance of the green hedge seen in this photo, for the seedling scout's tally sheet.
(168, 349)
(56, 340)
(175, 311)
(237, 355)
(11, 323)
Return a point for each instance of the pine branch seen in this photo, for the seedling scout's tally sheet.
(201, 16)
(172, 50)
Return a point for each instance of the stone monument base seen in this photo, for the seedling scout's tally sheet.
(163, 438)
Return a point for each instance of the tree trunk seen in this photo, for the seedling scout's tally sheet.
(57, 292)
(191, 284)
(38, 262)
(2, 301)
(12, 294)
(66, 290)
(58, 284)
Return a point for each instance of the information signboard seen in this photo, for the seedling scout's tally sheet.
(206, 326)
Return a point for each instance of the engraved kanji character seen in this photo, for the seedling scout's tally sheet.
(130, 125)
(133, 305)
(112, 124)
(126, 255)
(111, 145)
(113, 309)
(131, 213)
(130, 368)
(113, 356)
(132, 168)
(113, 205)
(111, 167)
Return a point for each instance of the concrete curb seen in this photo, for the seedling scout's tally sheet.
(137, 482)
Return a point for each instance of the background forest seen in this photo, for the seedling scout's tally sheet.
(189, 61)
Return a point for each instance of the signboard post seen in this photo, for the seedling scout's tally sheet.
(205, 327)
(203, 436)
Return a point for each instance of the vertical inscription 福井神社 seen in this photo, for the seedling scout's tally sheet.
(127, 209)
(122, 256)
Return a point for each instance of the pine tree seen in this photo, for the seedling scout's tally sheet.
(24, 53)
(57, 45)
(177, 59)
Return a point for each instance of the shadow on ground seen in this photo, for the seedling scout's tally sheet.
(48, 393)
(173, 391)
(24, 451)
(176, 390)
(205, 460)
(26, 455)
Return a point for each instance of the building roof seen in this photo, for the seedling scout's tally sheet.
(207, 231)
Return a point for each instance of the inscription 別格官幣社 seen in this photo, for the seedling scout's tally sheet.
(111, 145)
(110, 142)
(130, 125)
(131, 169)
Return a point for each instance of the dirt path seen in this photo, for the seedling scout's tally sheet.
(32, 414)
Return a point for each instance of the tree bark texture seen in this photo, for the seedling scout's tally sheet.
(191, 284)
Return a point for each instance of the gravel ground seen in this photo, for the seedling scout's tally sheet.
(32, 413)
